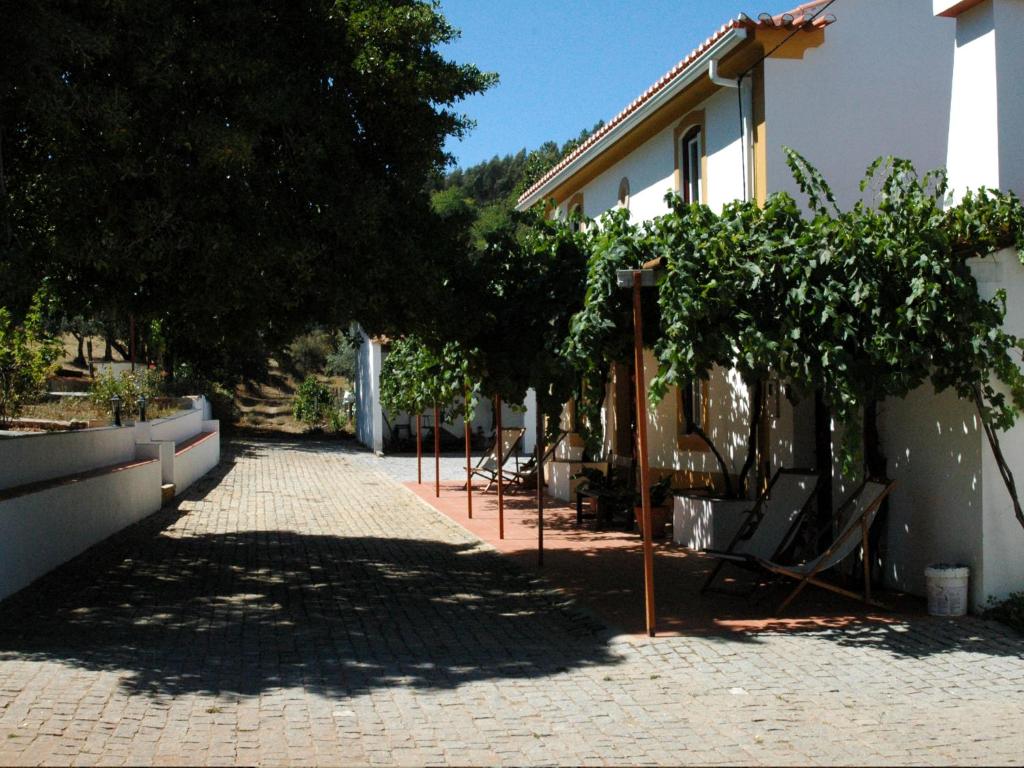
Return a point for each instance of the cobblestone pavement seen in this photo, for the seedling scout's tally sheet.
(402, 467)
(298, 606)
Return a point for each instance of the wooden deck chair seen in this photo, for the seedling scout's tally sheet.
(523, 475)
(855, 517)
(487, 466)
(771, 524)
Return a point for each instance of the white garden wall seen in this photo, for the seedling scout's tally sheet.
(47, 455)
(199, 458)
(178, 427)
(62, 492)
(42, 530)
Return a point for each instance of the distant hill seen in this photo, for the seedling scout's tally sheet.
(493, 186)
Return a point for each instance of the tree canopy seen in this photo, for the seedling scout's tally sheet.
(232, 170)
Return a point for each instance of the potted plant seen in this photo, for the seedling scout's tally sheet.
(661, 508)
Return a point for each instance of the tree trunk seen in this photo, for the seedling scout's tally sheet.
(80, 357)
(823, 459)
(730, 491)
(997, 452)
(756, 411)
(876, 467)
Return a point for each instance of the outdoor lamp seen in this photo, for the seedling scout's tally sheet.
(142, 407)
(115, 405)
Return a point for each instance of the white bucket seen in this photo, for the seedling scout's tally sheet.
(947, 589)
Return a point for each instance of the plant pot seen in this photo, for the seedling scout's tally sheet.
(660, 517)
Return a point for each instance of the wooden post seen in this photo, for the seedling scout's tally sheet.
(867, 557)
(501, 460)
(437, 451)
(645, 471)
(419, 448)
(540, 483)
(469, 465)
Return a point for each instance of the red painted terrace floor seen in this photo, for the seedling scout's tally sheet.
(604, 571)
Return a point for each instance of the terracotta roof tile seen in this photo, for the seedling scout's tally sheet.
(798, 17)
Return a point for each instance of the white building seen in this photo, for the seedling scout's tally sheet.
(952, 504)
(867, 78)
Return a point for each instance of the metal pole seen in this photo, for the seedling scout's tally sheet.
(419, 448)
(540, 483)
(501, 461)
(131, 340)
(469, 463)
(641, 428)
(437, 451)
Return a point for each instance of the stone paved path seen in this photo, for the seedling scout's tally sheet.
(298, 606)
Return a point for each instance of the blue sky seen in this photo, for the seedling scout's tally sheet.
(565, 64)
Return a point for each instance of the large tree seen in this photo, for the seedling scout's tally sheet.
(233, 170)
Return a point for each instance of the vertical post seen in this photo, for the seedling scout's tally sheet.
(469, 461)
(641, 428)
(540, 483)
(437, 451)
(498, 442)
(419, 449)
(131, 339)
(867, 557)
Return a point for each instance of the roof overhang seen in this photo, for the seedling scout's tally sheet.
(696, 71)
(953, 7)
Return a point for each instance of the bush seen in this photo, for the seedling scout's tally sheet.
(27, 357)
(313, 402)
(1009, 611)
(338, 420)
(129, 386)
(308, 353)
(342, 361)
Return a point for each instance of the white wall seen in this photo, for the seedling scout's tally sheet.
(1002, 570)
(651, 167)
(1009, 20)
(986, 131)
(195, 461)
(178, 427)
(369, 416)
(48, 455)
(880, 85)
(40, 531)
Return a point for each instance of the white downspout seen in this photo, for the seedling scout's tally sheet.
(746, 133)
(725, 82)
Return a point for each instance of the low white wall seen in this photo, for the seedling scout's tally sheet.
(48, 455)
(42, 530)
(178, 427)
(194, 462)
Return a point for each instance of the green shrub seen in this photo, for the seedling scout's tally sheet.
(342, 360)
(337, 420)
(313, 402)
(28, 353)
(1009, 611)
(308, 353)
(129, 386)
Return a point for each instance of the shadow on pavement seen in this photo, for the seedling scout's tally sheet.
(250, 611)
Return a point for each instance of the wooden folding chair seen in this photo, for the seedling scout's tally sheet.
(487, 467)
(771, 524)
(857, 513)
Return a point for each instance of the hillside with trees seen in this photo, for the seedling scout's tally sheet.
(490, 188)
